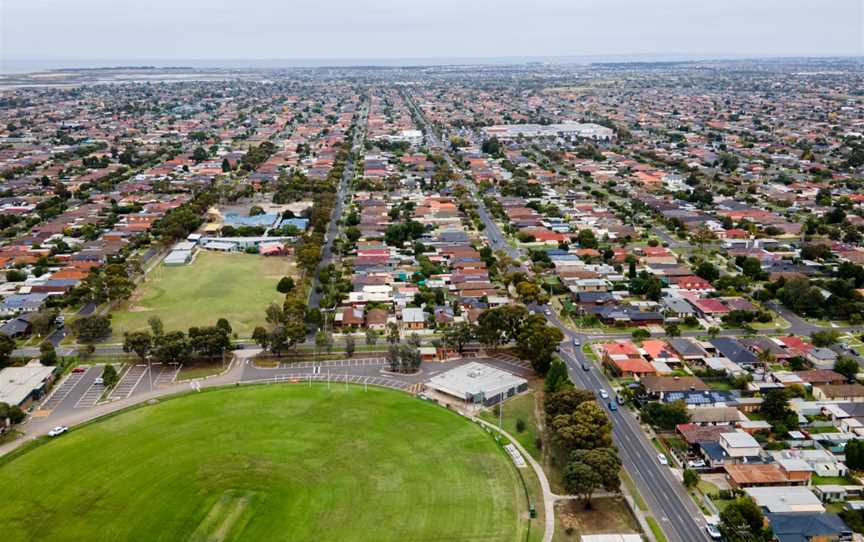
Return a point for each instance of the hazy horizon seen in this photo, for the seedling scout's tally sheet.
(53, 32)
(32, 65)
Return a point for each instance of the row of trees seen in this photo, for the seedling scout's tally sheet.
(535, 340)
(582, 434)
(176, 346)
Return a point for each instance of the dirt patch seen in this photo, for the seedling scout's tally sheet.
(608, 515)
(138, 308)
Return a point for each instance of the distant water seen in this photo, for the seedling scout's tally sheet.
(20, 65)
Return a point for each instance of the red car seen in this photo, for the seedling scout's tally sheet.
(78, 370)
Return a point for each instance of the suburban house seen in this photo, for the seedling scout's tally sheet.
(624, 359)
(849, 393)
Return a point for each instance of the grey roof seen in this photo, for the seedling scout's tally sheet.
(734, 350)
(678, 305)
(793, 526)
(687, 348)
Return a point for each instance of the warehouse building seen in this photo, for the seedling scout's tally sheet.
(478, 383)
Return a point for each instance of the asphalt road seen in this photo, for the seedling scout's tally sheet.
(673, 509)
(333, 229)
(492, 232)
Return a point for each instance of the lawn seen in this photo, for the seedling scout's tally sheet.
(520, 407)
(268, 463)
(234, 286)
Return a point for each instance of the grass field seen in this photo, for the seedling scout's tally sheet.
(234, 286)
(268, 463)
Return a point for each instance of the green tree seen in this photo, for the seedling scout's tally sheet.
(854, 452)
(824, 338)
(409, 358)
(209, 341)
(92, 329)
(156, 326)
(47, 354)
(458, 335)
(172, 347)
(109, 376)
(392, 333)
(285, 285)
(847, 367)
(665, 416)
(589, 470)
(349, 346)
(323, 341)
(528, 292)
(537, 342)
(500, 325)
(742, 521)
(224, 325)
(261, 337)
(640, 334)
(393, 359)
(199, 154)
(557, 377)
(139, 342)
(708, 271)
(586, 428)
(13, 413)
(691, 478)
(371, 337)
(672, 330)
(586, 239)
(564, 401)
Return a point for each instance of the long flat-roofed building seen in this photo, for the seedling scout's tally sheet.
(478, 383)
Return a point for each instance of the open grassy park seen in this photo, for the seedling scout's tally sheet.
(235, 286)
(268, 463)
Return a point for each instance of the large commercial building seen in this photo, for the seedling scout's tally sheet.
(478, 383)
(566, 129)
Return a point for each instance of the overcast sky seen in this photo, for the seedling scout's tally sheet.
(372, 29)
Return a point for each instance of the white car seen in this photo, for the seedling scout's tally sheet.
(548, 312)
(696, 464)
(662, 459)
(99, 381)
(603, 394)
(57, 431)
(713, 532)
(577, 342)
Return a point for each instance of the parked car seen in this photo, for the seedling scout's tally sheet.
(78, 370)
(662, 459)
(547, 312)
(696, 464)
(603, 394)
(620, 400)
(577, 342)
(57, 431)
(713, 532)
(99, 381)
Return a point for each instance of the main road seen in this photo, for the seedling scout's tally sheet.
(671, 506)
(667, 499)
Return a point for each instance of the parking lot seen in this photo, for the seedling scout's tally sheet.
(67, 394)
(137, 379)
